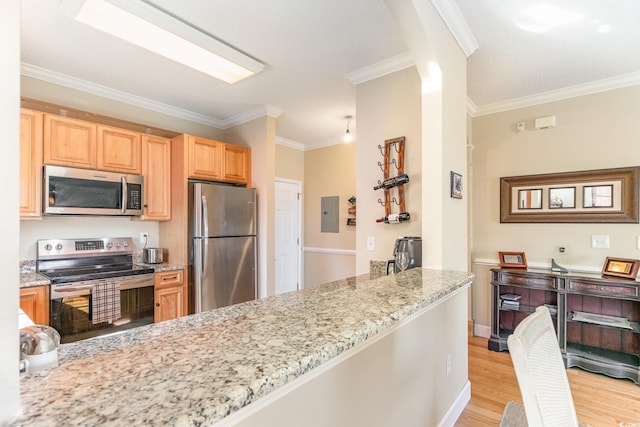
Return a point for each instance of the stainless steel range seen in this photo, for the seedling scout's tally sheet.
(96, 288)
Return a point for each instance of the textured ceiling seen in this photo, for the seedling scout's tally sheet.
(309, 48)
(571, 43)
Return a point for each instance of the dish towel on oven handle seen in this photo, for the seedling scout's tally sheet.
(105, 302)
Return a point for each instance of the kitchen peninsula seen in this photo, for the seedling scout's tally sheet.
(356, 348)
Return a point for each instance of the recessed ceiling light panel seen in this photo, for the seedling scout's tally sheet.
(543, 17)
(145, 26)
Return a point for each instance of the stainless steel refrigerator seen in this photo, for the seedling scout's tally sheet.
(223, 250)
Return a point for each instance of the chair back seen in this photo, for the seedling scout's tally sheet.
(540, 371)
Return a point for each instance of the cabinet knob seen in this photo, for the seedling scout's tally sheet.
(157, 304)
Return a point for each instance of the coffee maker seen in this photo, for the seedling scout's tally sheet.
(407, 254)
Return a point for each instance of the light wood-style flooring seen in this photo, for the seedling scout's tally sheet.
(599, 400)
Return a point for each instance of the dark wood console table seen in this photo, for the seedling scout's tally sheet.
(597, 318)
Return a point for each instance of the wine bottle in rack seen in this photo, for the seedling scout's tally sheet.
(395, 218)
(393, 182)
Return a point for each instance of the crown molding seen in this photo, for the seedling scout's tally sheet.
(617, 82)
(138, 101)
(328, 143)
(290, 143)
(471, 107)
(116, 95)
(382, 68)
(453, 19)
(252, 114)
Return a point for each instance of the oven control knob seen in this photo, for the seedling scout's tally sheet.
(59, 246)
(117, 243)
(125, 244)
(109, 245)
(48, 247)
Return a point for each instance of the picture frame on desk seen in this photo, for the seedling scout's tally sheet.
(512, 260)
(621, 267)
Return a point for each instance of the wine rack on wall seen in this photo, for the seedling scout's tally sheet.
(394, 180)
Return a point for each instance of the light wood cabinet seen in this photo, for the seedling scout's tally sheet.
(119, 150)
(31, 164)
(156, 170)
(81, 144)
(34, 301)
(236, 164)
(205, 158)
(213, 160)
(69, 142)
(170, 295)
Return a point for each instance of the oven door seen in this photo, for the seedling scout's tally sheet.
(70, 312)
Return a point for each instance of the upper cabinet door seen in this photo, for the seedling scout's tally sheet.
(236, 164)
(156, 170)
(119, 150)
(30, 164)
(69, 142)
(205, 160)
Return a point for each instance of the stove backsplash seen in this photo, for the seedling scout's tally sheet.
(83, 227)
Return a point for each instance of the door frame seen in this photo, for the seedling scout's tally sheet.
(299, 231)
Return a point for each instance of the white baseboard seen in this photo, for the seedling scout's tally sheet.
(454, 412)
(482, 331)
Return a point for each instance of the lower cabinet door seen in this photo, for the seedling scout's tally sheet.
(169, 303)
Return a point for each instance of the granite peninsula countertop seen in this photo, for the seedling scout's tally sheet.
(201, 368)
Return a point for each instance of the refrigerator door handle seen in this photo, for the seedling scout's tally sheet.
(205, 216)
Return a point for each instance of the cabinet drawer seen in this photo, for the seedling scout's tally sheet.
(507, 278)
(607, 289)
(166, 278)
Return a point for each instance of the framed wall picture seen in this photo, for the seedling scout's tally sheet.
(512, 260)
(621, 267)
(456, 185)
(595, 196)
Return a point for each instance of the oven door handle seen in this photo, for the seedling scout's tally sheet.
(70, 291)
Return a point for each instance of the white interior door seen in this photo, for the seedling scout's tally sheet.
(287, 236)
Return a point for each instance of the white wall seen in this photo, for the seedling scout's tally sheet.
(595, 131)
(443, 71)
(9, 214)
(71, 227)
(329, 171)
(393, 380)
(387, 107)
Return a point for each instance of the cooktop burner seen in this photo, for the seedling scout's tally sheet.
(81, 275)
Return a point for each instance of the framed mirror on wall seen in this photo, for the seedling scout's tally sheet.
(594, 196)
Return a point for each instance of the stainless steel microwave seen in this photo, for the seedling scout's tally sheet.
(72, 191)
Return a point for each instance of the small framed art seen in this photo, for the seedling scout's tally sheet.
(512, 260)
(456, 185)
(621, 267)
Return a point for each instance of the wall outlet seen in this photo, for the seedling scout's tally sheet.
(449, 362)
(144, 238)
(600, 242)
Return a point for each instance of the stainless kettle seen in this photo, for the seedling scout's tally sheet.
(407, 254)
(38, 348)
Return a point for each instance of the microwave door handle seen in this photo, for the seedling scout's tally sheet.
(124, 194)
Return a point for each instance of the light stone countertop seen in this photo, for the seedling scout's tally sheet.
(200, 368)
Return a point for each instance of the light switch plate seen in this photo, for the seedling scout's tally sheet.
(371, 243)
(600, 242)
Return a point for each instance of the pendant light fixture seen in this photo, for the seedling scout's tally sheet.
(347, 135)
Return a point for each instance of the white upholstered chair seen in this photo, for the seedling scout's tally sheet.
(541, 375)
